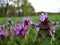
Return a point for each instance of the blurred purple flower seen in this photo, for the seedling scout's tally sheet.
(9, 21)
(2, 34)
(46, 15)
(56, 24)
(33, 24)
(42, 17)
(1, 28)
(17, 32)
(53, 29)
(5, 26)
(27, 21)
(23, 33)
(20, 30)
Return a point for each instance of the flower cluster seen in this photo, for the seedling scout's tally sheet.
(20, 29)
(53, 29)
(27, 21)
(23, 28)
(35, 25)
(43, 17)
(45, 22)
(2, 31)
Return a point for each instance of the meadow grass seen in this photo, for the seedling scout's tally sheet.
(52, 18)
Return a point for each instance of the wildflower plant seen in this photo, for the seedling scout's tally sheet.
(26, 21)
(27, 32)
(53, 29)
(21, 30)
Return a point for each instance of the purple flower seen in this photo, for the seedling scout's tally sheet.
(1, 28)
(52, 33)
(42, 17)
(20, 30)
(5, 26)
(33, 24)
(23, 33)
(46, 15)
(9, 21)
(2, 34)
(56, 24)
(17, 32)
(53, 29)
(22, 25)
(27, 21)
(16, 29)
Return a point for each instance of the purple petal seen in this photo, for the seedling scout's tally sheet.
(53, 28)
(23, 33)
(3, 33)
(17, 32)
(46, 15)
(42, 17)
